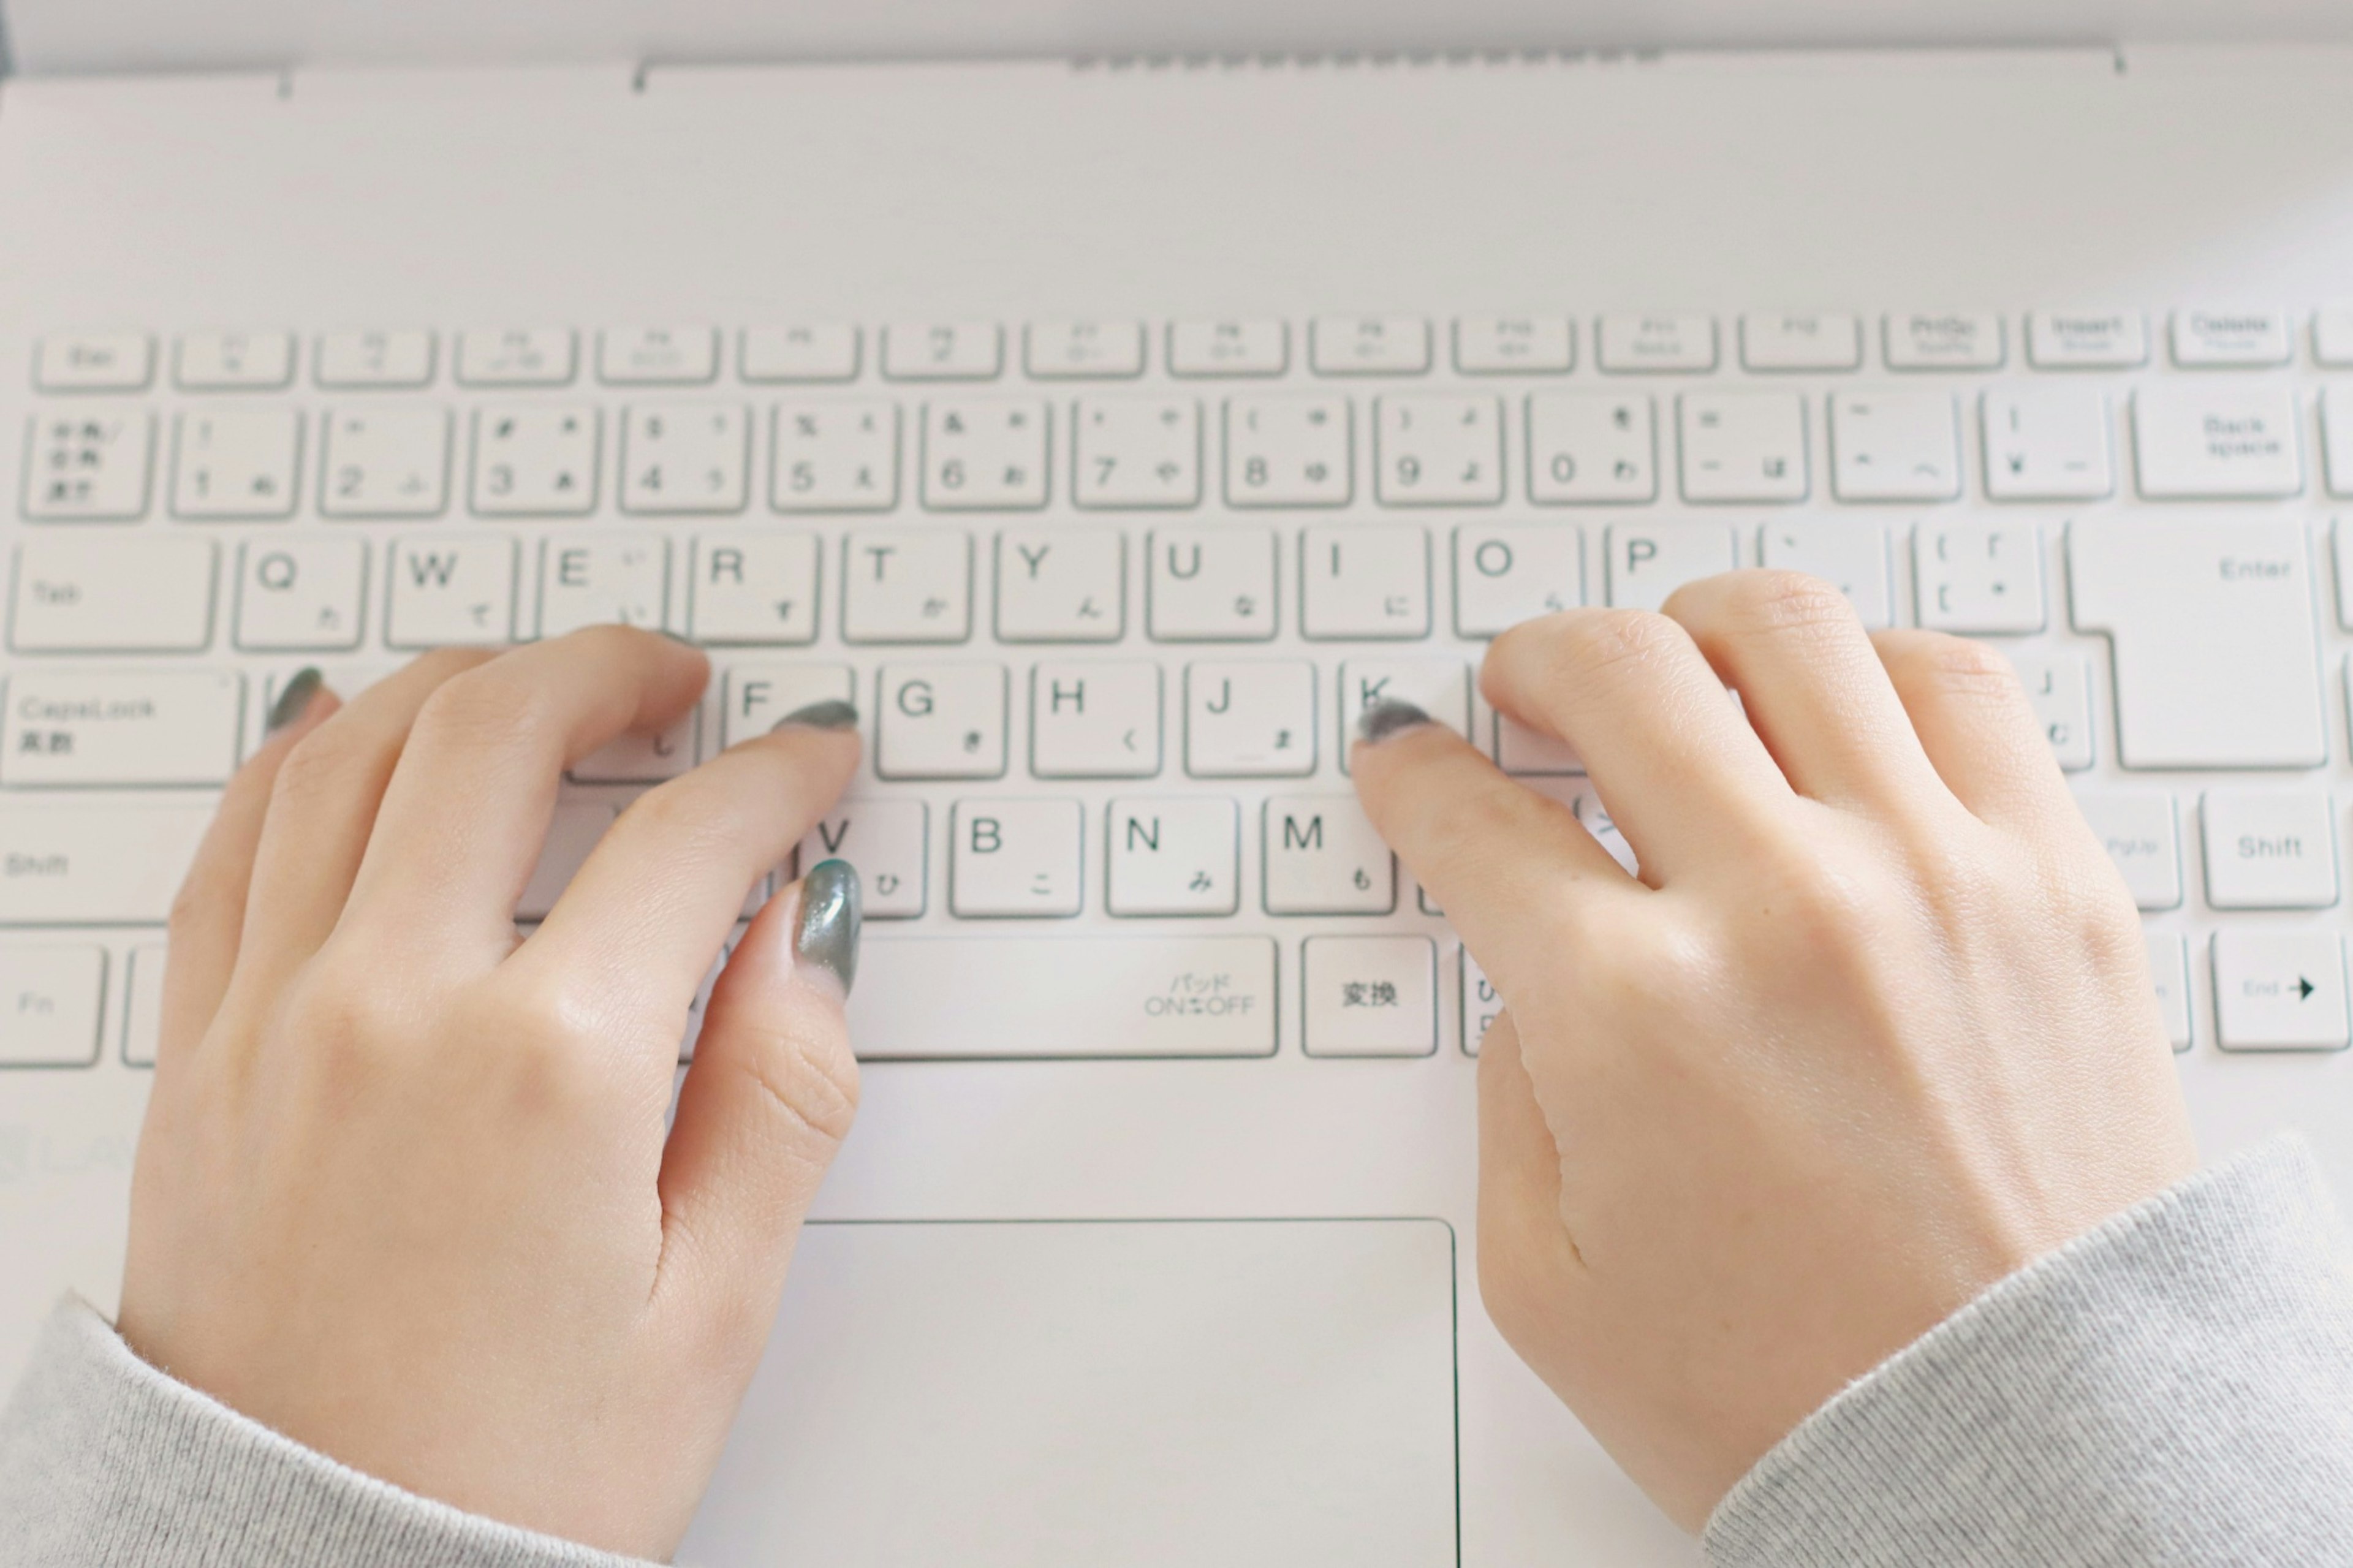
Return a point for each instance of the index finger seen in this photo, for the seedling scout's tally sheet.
(1502, 860)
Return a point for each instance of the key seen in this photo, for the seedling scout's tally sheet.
(572, 832)
(535, 460)
(1596, 820)
(1015, 859)
(1508, 574)
(2337, 439)
(374, 359)
(1289, 451)
(89, 462)
(1850, 554)
(657, 356)
(1061, 584)
(450, 591)
(1804, 342)
(985, 454)
(1250, 719)
(906, 586)
(239, 463)
(1180, 857)
(2217, 658)
(2086, 340)
(1587, 448)
(1135, 452)
(1211, 584)
(810, 351)
(388, 462)
(2047, 443)
(94, 362)
(1894, 446)
(641, 759)
(2168, 969)
(596, 579)
(516, 356)
(116, 864)
(1439, 686)
(234, 362)
(301, 596)
(1648, 562)
(1370, 995)
(1364, 582)
(1514, 345)
(2332, 336)
(1955, 340)
(1435, 450)
(759, 695)
(1744, 447)
(2206, 440)
(2279, 989)
(121, 727)
(841, 455)
(2059, 687)
(142, 1010)
(86, 594)
(1481, 1004)
(1531, 753)
(1639, 345)
(678, 457)
(1975, 576)
(1064, 995)
(2266, 850)
(51, 996)
(1081, 351)
(888, 841)
(943, 350)
(751, 588)
(1099, 720)
(1368, 345)
(1229, 348)
(942, 721)
(1321, 857)
(2238, 338)
(2137, 829)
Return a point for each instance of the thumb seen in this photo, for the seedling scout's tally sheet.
(769, 1099)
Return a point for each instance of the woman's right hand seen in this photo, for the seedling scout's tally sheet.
(1872, 1029)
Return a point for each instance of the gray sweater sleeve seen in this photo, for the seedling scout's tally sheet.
(2174, 1388)
(105, 1461)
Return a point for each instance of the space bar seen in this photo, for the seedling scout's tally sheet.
(968, 997)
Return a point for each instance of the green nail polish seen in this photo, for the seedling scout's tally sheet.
(831, 713)
(1387, 718)
(294, 698)
(828, 934)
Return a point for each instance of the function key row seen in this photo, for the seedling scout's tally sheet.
(1628, 344)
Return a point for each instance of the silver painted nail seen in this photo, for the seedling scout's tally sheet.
(831, 713)
(294, 698)
(828, 935)
(1387, 718)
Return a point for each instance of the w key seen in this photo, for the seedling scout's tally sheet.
(2217, 656)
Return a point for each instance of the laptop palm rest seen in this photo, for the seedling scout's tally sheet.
(1139, 1393)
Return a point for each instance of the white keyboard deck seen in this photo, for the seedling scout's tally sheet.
(1109, 595)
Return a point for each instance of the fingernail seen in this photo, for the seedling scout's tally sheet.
(1387, 717)
(828, 935)
(831, 715)
(294, 698)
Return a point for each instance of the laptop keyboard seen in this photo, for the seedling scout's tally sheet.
(1110, 596)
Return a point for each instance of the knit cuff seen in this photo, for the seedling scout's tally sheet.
(2174, 1387)
(104, 1460)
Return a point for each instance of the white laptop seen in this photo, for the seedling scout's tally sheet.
(1112, 399)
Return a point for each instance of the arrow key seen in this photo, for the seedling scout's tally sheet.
(2280, 989)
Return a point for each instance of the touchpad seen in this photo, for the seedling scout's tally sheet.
(1083, 1394)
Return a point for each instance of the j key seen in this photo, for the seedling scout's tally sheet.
(2217, 655)
(121, 727)
(1064, 995)
(80, 594)
(1250, 719)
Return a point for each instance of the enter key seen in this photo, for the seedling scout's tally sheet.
(2216, 645)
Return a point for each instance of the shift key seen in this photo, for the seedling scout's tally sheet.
(95, 865)
(2216, 648)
